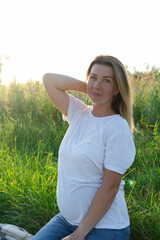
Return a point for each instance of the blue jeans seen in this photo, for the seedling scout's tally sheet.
(58, 228)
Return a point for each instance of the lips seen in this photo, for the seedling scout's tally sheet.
(96, 94)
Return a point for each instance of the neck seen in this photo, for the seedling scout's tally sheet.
(102, 111)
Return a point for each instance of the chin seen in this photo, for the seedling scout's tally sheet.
(98, 102)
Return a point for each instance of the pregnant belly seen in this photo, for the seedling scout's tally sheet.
(75, 203)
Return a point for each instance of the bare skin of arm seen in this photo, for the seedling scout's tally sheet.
(56, 86)
(100, 205)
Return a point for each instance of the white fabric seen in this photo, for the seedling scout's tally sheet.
(90, 144)
(12, 232)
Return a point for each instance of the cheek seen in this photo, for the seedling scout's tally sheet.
(109, 91)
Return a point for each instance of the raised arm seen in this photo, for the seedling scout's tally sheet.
(56, 86)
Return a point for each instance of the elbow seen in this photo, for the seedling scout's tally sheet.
(115, 190)
(46, 77)
(112, 189)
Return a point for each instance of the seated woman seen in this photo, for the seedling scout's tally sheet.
(96, 151)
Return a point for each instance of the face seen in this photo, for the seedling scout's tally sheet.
(101, 85)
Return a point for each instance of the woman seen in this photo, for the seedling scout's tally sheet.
(96, 151)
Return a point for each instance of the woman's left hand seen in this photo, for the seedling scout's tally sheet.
(73, 236)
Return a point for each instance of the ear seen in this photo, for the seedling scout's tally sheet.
(116, 91)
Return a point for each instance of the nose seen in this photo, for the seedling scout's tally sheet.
(97, 84)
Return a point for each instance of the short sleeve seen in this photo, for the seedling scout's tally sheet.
(75, 109)
(120, 152)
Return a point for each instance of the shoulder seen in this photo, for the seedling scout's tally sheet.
(117, 124)
(120, 147)
(119, 134)
(74, 101)
(76, 108)
(120, 124)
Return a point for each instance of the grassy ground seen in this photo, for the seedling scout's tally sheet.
(31, 130)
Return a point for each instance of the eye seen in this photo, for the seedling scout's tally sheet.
(107, 80)
(92, 77)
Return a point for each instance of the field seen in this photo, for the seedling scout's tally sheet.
(31, 130)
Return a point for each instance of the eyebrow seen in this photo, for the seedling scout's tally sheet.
(103, 76)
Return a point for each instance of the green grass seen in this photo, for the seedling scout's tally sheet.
(31, 130)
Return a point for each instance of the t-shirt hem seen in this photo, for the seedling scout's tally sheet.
(111, 226)
(114, 169)
(105, 226)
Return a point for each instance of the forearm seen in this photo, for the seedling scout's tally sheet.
(100, 205)
(65, 83)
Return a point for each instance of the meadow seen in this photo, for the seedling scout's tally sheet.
(31, 130)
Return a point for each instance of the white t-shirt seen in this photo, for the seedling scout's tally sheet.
(90, 145)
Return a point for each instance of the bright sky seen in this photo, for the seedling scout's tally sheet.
(64, 36)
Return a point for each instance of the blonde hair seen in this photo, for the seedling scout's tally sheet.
(122, 103)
